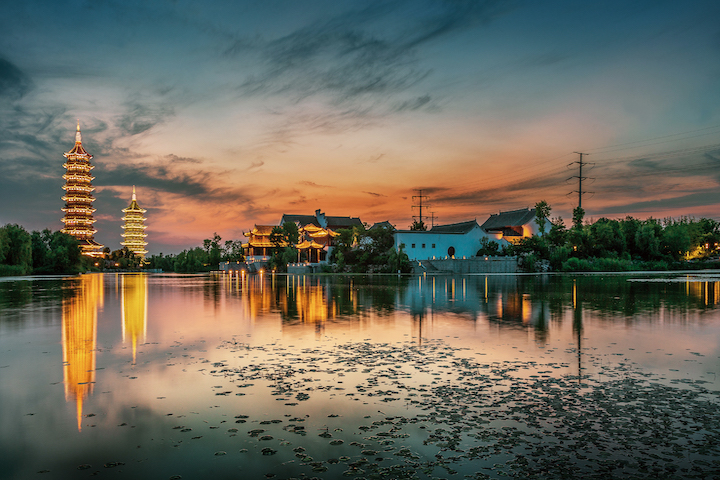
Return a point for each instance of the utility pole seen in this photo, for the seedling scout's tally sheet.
(432, 219)
(420, 198)
(579, 176)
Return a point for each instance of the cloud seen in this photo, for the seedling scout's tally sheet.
(415, 104)
(373, 194)
(697, 199)
(308, 183)
(141, 117)
(354, 56)
(14, 83)
(256, 164)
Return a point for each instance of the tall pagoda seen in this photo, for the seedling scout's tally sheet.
(78, 198)
(134, 228)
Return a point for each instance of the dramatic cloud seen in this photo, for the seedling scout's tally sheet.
(13, 82)
(227, 114)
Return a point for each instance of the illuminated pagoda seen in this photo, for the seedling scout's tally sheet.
(78, 198)
(134, 228)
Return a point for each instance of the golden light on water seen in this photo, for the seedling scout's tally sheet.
(79, 338)
(134, 309)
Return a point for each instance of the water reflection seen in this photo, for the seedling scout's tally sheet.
(506, 301)
(134, 293)
(79, 338)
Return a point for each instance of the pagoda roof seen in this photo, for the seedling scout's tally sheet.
(310, 228)
(78, 149)
(309, 244)
(263, 243)
(260, 230)
(333, 223)
(324, 232)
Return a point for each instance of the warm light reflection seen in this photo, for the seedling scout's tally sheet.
(134, 309)
(79, 336)
(320, 301)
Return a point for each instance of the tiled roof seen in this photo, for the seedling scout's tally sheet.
(513, 218)
(332, 222)
(460, 228)
(452, 228)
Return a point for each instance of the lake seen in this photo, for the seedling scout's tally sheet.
(273, 376)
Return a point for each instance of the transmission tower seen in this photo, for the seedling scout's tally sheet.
(580, 177)
(420, 197)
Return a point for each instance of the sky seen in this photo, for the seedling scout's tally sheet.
(227, 114)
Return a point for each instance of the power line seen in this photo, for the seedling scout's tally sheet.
(658, 138)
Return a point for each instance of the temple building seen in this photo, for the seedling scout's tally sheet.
(317, 233)
(134, 228)
(259, 247)
(78, 198)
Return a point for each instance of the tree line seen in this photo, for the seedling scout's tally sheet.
(614, 245)
(203, 258)
(39, 252)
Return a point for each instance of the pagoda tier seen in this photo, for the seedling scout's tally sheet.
(78, 198)
(134, 228)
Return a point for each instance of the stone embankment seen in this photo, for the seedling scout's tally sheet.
(469, 265)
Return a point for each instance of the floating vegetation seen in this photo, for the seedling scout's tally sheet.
(493, 419)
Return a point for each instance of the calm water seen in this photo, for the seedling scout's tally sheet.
(164, 376)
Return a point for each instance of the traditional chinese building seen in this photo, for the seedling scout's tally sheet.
(134, 228)
(259, 247)
(317, 233)
(78, 198)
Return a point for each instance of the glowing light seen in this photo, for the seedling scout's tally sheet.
(79, 338)
(134, 228)
(78, 209)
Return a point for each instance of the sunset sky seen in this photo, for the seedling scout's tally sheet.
(226, 114)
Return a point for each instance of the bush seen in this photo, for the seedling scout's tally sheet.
(610, 265)
(576, 265)
(12, 270)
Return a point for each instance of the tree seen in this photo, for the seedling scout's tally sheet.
(557, 236)
(676, 240)
(578, 215)
(606, 238)
(647, 240)
(291, 233)
(18, 249)
(542, 213)
(232, 251)
(418, 226)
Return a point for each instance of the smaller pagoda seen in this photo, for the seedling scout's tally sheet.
(134, 228)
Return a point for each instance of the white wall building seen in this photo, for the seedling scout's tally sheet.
(457, 240)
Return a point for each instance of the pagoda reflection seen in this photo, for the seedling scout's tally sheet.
(133, 288)
(79, 338)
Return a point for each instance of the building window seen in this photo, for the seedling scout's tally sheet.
(451, 251)
(423, 245)
(433, 245)
(412, 246)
